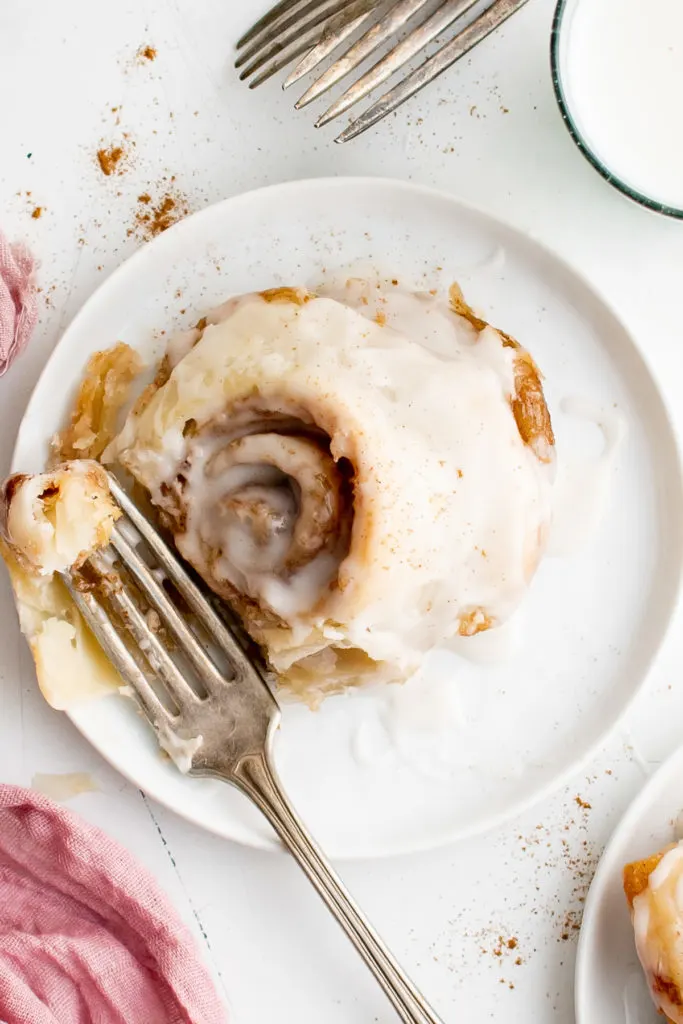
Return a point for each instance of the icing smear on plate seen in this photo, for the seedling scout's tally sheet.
(583, 484)
(425, 722)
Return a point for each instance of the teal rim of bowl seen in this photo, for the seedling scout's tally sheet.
(574, 131)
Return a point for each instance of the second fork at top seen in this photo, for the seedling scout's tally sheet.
(313, 29)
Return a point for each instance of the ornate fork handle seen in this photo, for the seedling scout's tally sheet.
(257, 778)
(233, 724)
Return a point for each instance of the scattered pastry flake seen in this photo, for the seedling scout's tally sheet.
(102, 393)
(146, 52)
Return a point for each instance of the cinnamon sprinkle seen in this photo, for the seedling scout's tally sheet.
(153, 217)
(109, 159)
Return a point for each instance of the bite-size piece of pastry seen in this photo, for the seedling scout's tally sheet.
(54, 520)
(48, 523)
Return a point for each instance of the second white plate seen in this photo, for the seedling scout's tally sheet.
(378, 772)
(610, 986)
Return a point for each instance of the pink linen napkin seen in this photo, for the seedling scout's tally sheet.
(86, 934)
(18, 306)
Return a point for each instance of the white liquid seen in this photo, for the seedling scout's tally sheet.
(623, 75)
(584, 485)
(421, 723)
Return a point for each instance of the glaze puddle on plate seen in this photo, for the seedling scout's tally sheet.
(519, 725)
(583, 488)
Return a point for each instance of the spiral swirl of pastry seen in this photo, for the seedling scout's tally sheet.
(262, 510)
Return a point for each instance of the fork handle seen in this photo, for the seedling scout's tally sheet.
(257, 778)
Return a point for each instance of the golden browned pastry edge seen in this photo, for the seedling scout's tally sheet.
(637, 875)
(101, 395)
(528, 404)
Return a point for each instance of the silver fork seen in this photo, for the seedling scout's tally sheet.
(317, 27)
(211, 702)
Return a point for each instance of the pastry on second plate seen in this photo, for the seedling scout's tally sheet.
(654, 890)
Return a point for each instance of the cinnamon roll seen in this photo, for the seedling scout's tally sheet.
(361, 475)
(653, 889)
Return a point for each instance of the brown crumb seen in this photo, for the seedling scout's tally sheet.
(110, 159)
(571, 924)
(153, 217)
(37, 212)
(582, 804)
(147, 53)
(501, 946)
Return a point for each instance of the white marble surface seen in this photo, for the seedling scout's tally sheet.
(489, 131)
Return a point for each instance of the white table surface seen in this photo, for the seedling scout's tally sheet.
(489, 131)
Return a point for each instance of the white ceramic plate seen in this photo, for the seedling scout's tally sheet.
(375, 773)
(610, 986)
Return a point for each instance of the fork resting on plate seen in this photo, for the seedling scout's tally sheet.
(210, 704)
(315, 28)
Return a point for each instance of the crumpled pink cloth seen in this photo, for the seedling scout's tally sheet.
(86, 935)
(18, 304)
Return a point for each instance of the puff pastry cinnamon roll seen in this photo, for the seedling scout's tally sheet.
(653, 888)
(361, 476)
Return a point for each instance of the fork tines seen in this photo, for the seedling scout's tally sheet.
(316, 28)
(124, 594)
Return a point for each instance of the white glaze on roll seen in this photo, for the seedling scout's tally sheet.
(450, 506)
